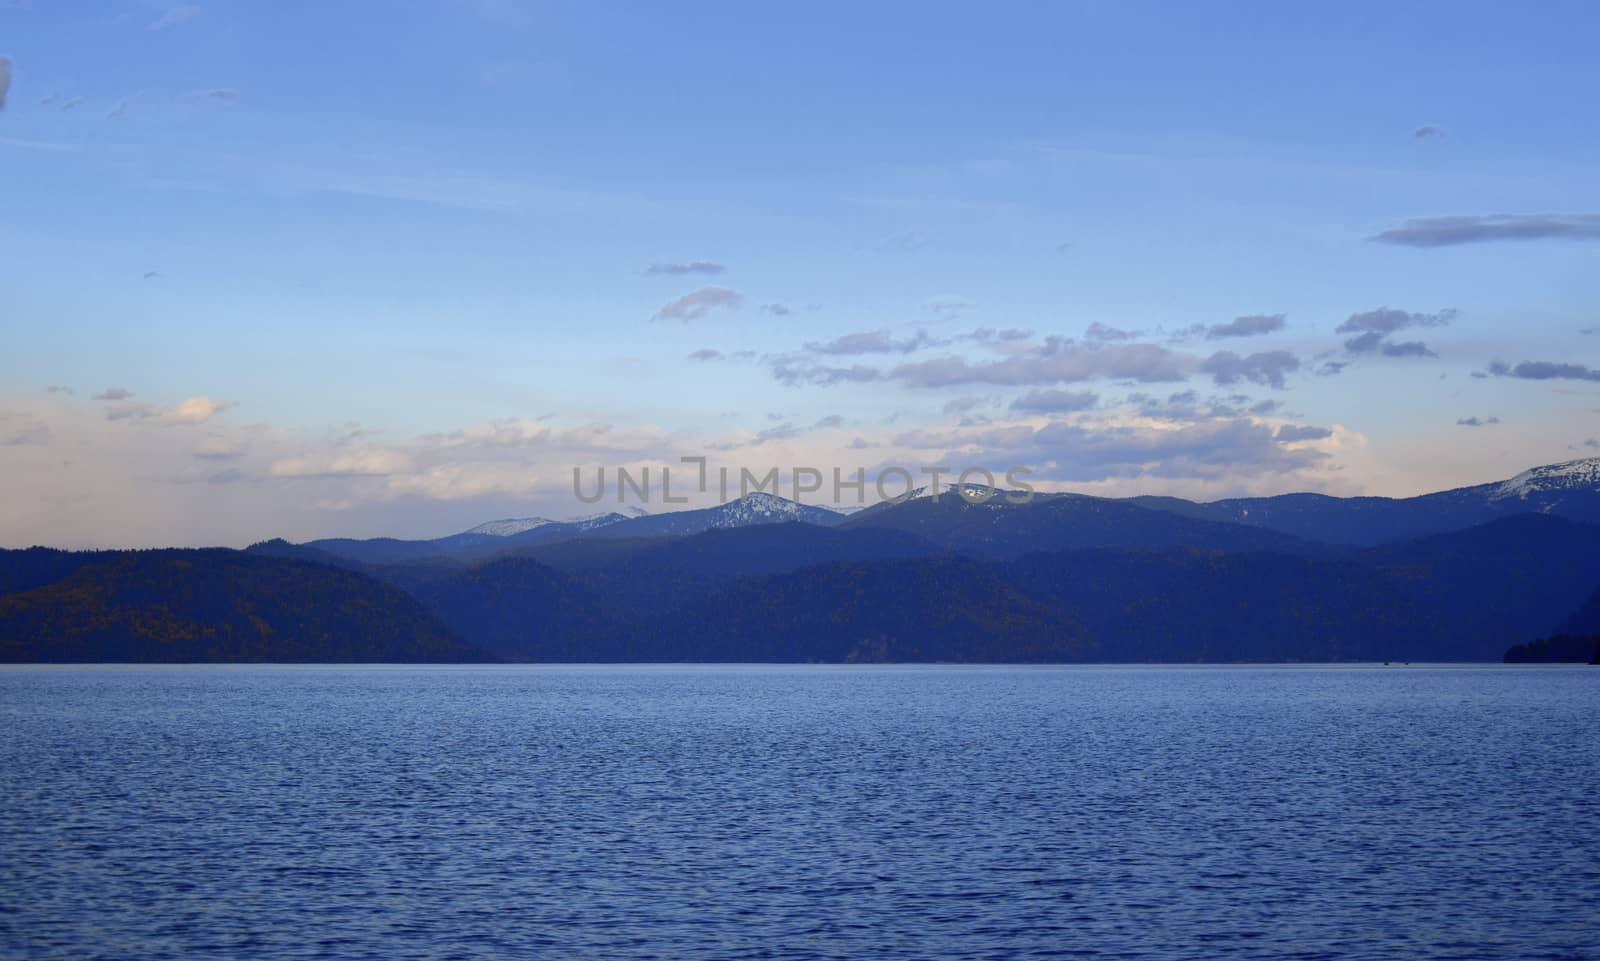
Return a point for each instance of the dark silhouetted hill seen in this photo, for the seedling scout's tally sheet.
(216, 605)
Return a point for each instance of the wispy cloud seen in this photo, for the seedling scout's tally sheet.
(1055, 401)
(871, 342)
(793, 372)
(1544, 370)
(902, 243)
(41, 145)
(1451, 231)
(194, 410)
(1056, 361)
(948, 305)
(1103, 333)
(692, 267)
(5, 80)
(174, 16)
(1428, 131)
(1477, 422)
(214, 95)
(1252, 325)
(1386, 320)
(706, 354)
(694, 305)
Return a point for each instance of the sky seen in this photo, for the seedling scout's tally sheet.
(398, 268)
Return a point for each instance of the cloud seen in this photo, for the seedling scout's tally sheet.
(1056, 361)
(903, 243)
(706, 353)
(366, 462)
(214, 95)
(195, 410)
(1266, 368)
(692, 267)
(961, 405)
(59, 389)
(830, 421)
(792, 373)
(776, 310)
(174, 16)
(1186, 405)
(1367, 343)
(1386, 320)
(1101, 333)
(1427, 132)
(871, 342)
(136, 411)
(1451, 231)
(1252, 325)
(693, 306)
(1544, 370)
(1409, 348)
(1292, 433)
(1078, 452)
(1332, 368)
(22, 430)
(948, 305)
(1004, 335)
(218, 448)
(1475, 422)
(1055, 401)
(5, 80)
(1373, 328)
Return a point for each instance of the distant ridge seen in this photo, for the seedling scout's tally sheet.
(1570, 490)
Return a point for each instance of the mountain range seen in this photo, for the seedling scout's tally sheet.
(1457, 575)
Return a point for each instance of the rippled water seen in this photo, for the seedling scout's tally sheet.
(861, 813)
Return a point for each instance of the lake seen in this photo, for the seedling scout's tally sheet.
(799, 812)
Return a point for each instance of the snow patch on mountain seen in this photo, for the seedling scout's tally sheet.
(763, 508)
(1573, 475)
(509, 526)
(589, 522)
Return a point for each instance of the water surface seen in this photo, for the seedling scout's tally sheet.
(794, 812)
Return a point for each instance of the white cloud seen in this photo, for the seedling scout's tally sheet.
(195, 410)
(694, 305)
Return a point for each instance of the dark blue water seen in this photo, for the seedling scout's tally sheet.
(860, 813)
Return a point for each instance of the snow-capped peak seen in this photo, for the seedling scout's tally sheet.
(1573, 474)
(589, 522)
(509, 526)
(758, 507)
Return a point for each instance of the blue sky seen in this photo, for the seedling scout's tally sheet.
(386, 268)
